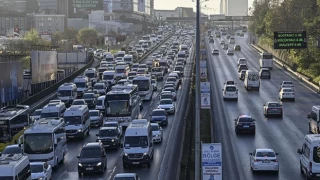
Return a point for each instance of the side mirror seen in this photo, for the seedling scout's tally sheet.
(150, 145)
(104, 155)
(309, 116)
(78, 157)
(97, 134)
(250, 154)
(235, 119)
(121, 145)
(253, 120)
(299, 151)
(277, 154)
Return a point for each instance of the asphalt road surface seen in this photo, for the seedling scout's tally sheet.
(285, 135)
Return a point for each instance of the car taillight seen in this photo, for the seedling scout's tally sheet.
(275, 160)
(252, 124)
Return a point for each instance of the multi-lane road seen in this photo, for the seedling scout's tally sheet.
(285, 135)
(68, 170)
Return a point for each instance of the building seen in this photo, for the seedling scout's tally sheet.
(234, 7)
(11, 22)
(178, 12)
(47, 24)
(13, 5)
(47, 4)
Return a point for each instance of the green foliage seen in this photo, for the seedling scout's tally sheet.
(32, 36)
(26, 62)
(87, 36)
(290, 15)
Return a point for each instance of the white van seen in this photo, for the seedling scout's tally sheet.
(83, 84)
(109, 58)
(309, 156)
(101, 88)
(232, 40)
(77, 120)
(109, 76)
(122, 71)
(128, 59)
(230, 92)
(14, 167)
(266, 60)
(138, 144)
(92, 74)
(100, 104)
(67, 92)
(252, 79)
(146, 47)
(53, 110)
(121, 54)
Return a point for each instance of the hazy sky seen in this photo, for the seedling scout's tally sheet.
(172, 4)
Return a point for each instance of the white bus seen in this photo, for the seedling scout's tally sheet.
(145, 86)
(109, 76)
(67, 92)
(83, 84)
(77, 121)
(15, 167)
(128, 59)
(53, 110)
(92, 75)
(123, 104)
(266, 60)
(46, 141)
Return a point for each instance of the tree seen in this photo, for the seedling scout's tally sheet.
(32, 37)
(87, 36)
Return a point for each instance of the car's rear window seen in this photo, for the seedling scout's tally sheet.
(265, 154)
(274, 105)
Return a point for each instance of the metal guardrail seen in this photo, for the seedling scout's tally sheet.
(302, 77)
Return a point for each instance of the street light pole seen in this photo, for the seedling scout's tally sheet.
(197, 122)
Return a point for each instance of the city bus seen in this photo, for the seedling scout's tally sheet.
(13, 122)
(123, 104)
(145, 86)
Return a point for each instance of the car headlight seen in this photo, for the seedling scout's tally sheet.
(145, 154)
(79, 130)
(79, 164)
(99, 164)
(40, 178)
(112, 140)
(157, 135)
(125, 154)
(171, 107)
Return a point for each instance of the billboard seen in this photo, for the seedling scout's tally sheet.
(141, 6)
(11, 81)
(211, 161)
(290, 40)
(43, 66)
(81, 8)
(107, 6)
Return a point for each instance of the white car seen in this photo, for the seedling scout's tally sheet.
(230, 52)
(286, 93)
(119, 59)
(215, 52)
(36, 115)
(287, 84)
(40, 170)
(55, 101)
(123, 176)
(242, 74)
(241, 61)
(222, 42)
(264, 160)
(230, 92)
(172, 90)
(156, 132)
(154, 84)
(168, 105)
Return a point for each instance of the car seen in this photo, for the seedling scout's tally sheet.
(126, 176)
(225, 47)
(174, 80)
(241, 34)
(157, 135)
(40, 170)
(211, 40)
(12, 149)
(96, 118)
(36, 115)
(230, 52)
(264, 160)
(166, 96)
(110, 137)
(168, 105)
(286, 84)
(55, 101)
(242, 67)
(79, 102)
(96, 92)
(159, 116)
(242, 61)
(154, 84)
(141, 71)
(242, 74)
(172, 90)
(179, 68)
(215, 52)
(286, 93)
(222, 42)
(114, 124)
(90, 99)
(230, 92)
(265, 73)
(272, 108)
(92, 158)
(169, 85)
(237, 48)
(244, 123)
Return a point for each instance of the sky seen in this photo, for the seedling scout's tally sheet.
(172, 4)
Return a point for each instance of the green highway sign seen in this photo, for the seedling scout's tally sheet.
(290, 40)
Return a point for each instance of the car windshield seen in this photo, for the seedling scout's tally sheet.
(287, 90)
(166, 101)
(107, 132)
(132, 73)
(153, 81)
(246, 119)
(135, 66)
(316, 154)
(166, 96)
(90, 153)
(12, 150)
(169, 89)
(155, 128)
(136, 141)
(265, 154)
(98, 86)
(171, 79)
(99, 102)
(78, 103)
(274, 105)
(124, 178)
(88, 96)
(178, 68)
(158, 113)
(94, 113)
(231, 88)
(110, 125)
(143, 66)
(37, 113)
(72, 120)
(156, 70)
(36, 168)
(287, 83)
(120, 70)
(64, 93)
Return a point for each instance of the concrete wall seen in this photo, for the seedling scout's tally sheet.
(77, 23)
(72, 58)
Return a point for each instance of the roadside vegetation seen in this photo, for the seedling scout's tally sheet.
(290, 15)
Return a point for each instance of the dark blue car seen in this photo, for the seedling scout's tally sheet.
(159, 116)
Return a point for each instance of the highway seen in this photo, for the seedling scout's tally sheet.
(285, 135)
(68, 170)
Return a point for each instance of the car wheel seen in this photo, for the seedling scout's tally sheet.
(149, 164)
(88, 132)
(301, 170)
(237, 131)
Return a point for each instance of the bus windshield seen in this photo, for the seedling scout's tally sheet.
(143, 85)
(4, 132)
(108, 77)
(80, 84)
(64, 93)
(90, 75)
(49, 114)
(38, 143)
(72, 120)
(118, 108)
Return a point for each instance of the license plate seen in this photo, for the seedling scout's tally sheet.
(90, 168)
(135, 162)
(246, 126)
(265, 161)
(318, 175)
(71, 136)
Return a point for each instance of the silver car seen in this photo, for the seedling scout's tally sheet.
(168, 105)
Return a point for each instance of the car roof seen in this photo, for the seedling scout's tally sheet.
(36, 163)
(92, 144)
(264, 150)
(126, 175)
(107, 128)
(245, 116)
(78, 100)
(111, 122)
(162, 110)
(12, 146)
(94, 110)
(166, 99)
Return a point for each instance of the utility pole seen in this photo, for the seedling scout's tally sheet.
(197, 122)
